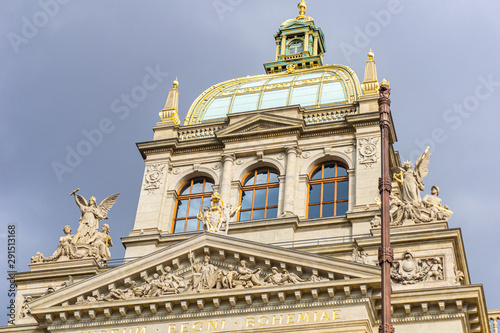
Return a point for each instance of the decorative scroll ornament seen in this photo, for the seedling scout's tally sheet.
(306, 155)
(154, 173)
(216, 218)
(410, 270)
(358, 255)
(459, 276)
(409, 207)
(368, 151)
(88, 242)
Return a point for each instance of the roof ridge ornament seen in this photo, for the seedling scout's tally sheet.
(302, 9)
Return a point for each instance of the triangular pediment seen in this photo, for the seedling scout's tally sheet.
(208, 265)
(260, 124)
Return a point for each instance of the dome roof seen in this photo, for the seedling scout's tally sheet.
(311, 88)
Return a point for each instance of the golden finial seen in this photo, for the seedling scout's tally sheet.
(370, 55)
(176, 83)
(302, 9)
(385, 82)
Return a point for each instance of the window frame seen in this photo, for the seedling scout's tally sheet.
(203, 195)
(322, 181)
(255, 187)
(296, 48)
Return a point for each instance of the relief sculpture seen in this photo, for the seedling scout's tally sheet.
(411, 270)
(202, 275)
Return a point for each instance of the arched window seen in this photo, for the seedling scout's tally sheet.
(193, 195)
(296, 46)
(328, 190)
(259, 195)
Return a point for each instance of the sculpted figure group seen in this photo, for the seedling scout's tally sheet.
(88, 241)
(410, 270)
(216, 217)
(205, 276)
(408, 207)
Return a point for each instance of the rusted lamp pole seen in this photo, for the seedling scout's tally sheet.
(385, 252)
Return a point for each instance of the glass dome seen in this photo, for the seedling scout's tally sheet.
(319, 87)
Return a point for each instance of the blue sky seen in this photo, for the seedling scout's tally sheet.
(69, 65)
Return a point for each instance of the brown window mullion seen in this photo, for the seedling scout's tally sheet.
(321, 201)
(253, 199)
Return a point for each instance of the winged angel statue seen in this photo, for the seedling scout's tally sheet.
(91, 216)
(88, 242)
(408, 207)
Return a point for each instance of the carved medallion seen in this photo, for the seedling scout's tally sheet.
(411, 270)
(154, 173)
(368, 151)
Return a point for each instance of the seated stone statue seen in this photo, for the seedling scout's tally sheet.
(248, 276)
(101, 241)
(172, 283)
(66, 249)
(433, 203)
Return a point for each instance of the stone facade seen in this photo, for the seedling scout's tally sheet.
(291, 272)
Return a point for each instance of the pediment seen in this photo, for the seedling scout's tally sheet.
(207, 266)
(260, 124)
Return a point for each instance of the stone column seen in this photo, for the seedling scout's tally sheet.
(352, 189)
(290, 180)
(227, 173)
(315, 49)
(283, 45)
(306, 41)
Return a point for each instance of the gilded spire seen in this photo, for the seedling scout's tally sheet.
(169, 114)
(370, 84)
(302, 9)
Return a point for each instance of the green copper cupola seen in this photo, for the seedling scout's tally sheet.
(299, 44)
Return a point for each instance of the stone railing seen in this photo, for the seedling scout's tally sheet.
(494, 318)
(292, 57)
(327, 116)
(198, 133)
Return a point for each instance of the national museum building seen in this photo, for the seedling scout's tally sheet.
(261, 213)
